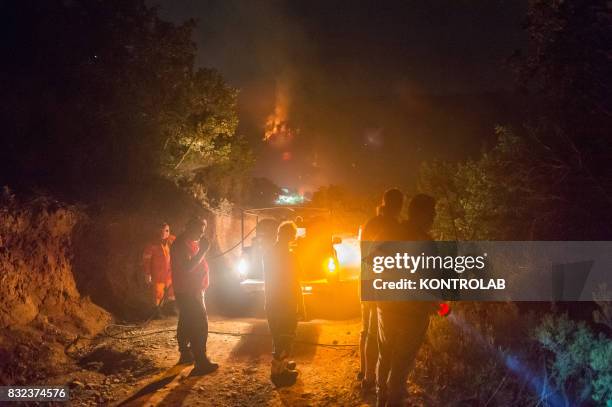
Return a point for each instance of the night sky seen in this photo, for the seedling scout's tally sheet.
(374, 88)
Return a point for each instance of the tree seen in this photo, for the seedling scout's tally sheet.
(262, 193)
(106, 92)
(567, 71)
(521, 189)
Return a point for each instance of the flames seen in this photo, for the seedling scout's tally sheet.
(277, 124)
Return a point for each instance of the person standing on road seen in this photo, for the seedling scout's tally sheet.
(402, 325)
(156, 263)
(384, 226)
(190, 281)
(284, 302)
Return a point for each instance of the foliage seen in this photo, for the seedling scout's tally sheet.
(513, 359)
(227, 179)
(567, 74)
(262, 193)
(463, 361)
(579, 360)
(529, 186)
(502, 195)
(568, 58)
(107, 93)
(200, 128)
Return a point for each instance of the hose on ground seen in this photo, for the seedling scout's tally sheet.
(238, 334)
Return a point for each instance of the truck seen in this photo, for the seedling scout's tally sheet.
(316, 246)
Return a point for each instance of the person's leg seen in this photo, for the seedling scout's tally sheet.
(365, 321)
(191, 326)
(204, 325)
(275, 331)
(282, 327)
(273, 327)
(159, 292)
(410, 336)
(197, 338)
(371, 345)
(288, 328)
(182, 334)
(386, 339)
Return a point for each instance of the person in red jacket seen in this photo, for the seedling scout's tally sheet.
(190, 280)
(156, 263)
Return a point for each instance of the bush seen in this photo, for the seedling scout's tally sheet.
(579, 362)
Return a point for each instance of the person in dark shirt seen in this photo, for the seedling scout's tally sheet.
(190, 280)
(384, 226)
(402, 325)
(284, 302)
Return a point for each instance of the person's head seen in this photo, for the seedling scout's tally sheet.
(164, 231)
(422, 211)
(195, 228)
(299, 221)
(287, 232)
(392, 202)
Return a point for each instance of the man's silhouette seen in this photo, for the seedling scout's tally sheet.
(284, 302)
(402, 325)
(384, 226)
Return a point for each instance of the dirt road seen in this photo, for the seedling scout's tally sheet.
(139, 370)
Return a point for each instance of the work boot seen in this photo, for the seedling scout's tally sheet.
(204, 368)
(280, 375)
(186, 358)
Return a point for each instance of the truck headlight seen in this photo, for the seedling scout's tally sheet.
(243, 268)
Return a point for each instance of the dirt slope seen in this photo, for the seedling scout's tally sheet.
(41, 310)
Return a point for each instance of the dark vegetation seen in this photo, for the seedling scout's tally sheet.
(108, 129)
(548, 178)
(103, 108)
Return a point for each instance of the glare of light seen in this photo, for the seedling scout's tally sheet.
(349, 253)
(289, 198)
(331, 265)
(307, 288)
(243, 267)
(539, 384)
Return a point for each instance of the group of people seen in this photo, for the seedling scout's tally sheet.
(393, 331)
(177, 268)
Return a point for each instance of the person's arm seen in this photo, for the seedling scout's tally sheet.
(181, 262)
(196, 260)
